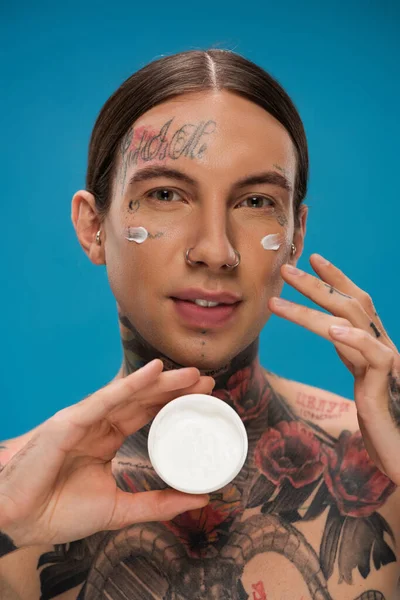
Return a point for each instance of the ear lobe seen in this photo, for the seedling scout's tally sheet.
(300, 233)
(87, 223)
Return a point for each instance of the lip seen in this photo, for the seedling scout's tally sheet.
(199, 316)
(197, 293)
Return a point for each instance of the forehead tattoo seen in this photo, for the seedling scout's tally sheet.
(145, 143)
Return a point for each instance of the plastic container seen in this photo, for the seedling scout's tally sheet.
(197, 444)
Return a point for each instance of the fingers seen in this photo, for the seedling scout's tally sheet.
(377, 397)
(160, 505)
(129, 419)
(334, 300)
(205, 385)
(97, 406)
(374, 397)
(335, 278)
(146, 382)
(172, 384)
(316, 321)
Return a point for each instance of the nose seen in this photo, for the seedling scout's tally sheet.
(211, 246)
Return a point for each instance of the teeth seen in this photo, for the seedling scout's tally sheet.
(201, 302)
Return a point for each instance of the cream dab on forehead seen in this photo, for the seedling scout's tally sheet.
(271, 241)
(136, 234)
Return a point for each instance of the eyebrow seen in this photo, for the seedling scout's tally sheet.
(269, 177)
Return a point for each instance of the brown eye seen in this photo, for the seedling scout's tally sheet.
(162, 195)
(258, 202)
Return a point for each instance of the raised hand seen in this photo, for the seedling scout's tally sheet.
(59, 487)
(364, 347)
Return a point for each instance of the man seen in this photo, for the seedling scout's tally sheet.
(310, 515)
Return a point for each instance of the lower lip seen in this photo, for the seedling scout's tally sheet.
(205, 317)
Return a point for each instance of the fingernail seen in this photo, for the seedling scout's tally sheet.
(281, 302)
(321, 260)
(339, 330)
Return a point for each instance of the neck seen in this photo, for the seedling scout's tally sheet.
(241, 382)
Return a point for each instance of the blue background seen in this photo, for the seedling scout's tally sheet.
(339, 62)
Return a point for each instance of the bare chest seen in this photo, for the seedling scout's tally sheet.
(304, 520)
(257, 539)
(263, 557)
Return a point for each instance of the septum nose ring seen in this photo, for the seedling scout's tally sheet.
(192, 263)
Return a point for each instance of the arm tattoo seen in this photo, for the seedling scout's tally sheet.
(394, 398)
(6, 544)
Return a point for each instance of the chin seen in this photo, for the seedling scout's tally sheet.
(209, 362)
(213, 356)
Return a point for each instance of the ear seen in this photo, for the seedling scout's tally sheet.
(87, 223)
(299, 234)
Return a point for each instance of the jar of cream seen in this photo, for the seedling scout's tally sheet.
(197, 444)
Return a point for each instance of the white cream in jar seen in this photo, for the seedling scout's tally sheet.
(197, 444)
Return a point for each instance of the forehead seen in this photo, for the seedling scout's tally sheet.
(245, 136)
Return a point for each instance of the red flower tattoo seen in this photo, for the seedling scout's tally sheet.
(248, 391)
(355, 482)
(290, 451)
(200, 529)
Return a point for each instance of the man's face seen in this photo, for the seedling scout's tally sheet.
(216, 139)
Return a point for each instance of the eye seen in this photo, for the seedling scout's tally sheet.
(164, 195)
(257, 200)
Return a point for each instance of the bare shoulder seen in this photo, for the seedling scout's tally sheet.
(336, 414)
(328, 410)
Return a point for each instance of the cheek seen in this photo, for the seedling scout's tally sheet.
(264, 267)
(130, 270)
(267, 252)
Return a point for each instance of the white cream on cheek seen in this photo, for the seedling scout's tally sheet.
(271, 241)
(136, 234)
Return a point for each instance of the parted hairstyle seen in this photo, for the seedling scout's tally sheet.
(171, 76)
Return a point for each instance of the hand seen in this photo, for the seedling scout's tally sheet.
(59, 487)
(363, 346)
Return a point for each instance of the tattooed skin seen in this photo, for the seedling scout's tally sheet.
(375, 329)
(282, 219)
(146, 144)
(138, 352)
(394, 397)
(313, 407)
(134, 206)
(333, 290)
(294, 473)
(155, 236)
(6, 544)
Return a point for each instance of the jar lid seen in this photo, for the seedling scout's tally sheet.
(197, 444)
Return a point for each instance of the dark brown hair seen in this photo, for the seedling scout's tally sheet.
(169, 76)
